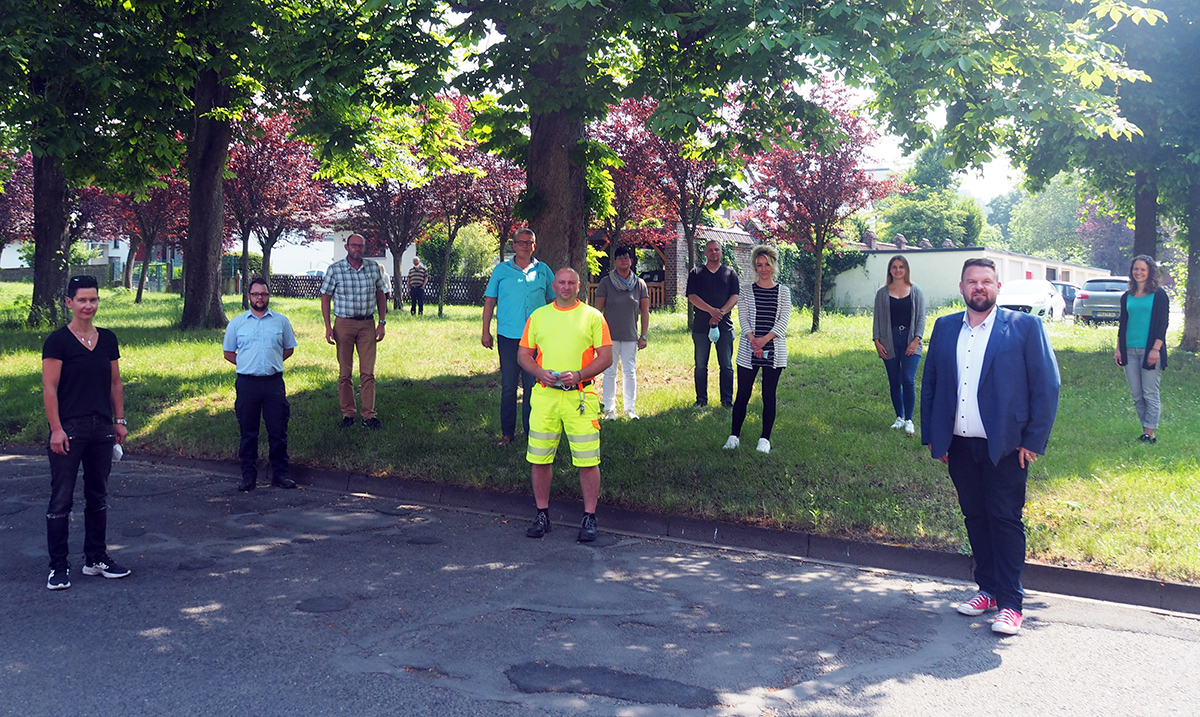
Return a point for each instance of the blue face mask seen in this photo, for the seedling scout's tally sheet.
(714, 334)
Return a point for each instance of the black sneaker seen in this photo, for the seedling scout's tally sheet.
(347, 421)
(373, 423)
(60, 578)
(107, 567)
(284, 482)
(587, 528)
(540, 526)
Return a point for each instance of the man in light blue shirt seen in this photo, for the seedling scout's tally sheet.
(258, 342)
(515, 290)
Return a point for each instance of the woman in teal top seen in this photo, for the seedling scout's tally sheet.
(1142, 340)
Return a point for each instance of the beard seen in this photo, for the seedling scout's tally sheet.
(981, 303)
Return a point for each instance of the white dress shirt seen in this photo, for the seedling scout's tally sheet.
(972, 345)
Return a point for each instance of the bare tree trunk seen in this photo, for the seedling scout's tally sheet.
(1191, 299)
(397, 299)
(245, 271)
(450, 237)
(130, 260)
(1145, 222)
(145, 271)
(819, 245)
(50, 245)
(208, 148)
(557, 182)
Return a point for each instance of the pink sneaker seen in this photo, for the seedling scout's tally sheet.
(1008, 622)
(981, 603)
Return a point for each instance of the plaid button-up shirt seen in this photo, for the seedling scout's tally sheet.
(353, 290)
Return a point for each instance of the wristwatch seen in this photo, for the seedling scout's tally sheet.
(643, 337)
(382, 322)
(121, 421)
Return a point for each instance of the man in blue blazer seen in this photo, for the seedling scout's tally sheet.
(989, 395)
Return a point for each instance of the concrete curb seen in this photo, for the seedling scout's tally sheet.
(1173, 597)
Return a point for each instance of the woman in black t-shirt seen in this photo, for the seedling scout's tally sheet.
(85, 407)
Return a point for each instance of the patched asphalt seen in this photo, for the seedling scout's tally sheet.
(317, 601)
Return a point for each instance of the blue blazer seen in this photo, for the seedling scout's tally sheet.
(1018, 390)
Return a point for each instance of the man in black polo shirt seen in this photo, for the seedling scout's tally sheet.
(85, 407)
(713, 290)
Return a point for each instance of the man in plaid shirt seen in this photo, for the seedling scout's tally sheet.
(355, 287)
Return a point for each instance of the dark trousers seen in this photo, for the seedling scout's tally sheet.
(511, 374)
(992, 498)
(724, 360)
(262, 397)
(902, 373)
(745, 387)
(417, 299)
(90, 443)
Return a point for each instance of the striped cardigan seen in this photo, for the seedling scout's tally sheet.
(747, 313)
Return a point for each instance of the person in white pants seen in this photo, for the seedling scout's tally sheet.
(623, 297)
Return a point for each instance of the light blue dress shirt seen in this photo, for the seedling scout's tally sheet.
(259, 342)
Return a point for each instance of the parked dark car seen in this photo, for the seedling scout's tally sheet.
(1068, 292)
(1100, 299)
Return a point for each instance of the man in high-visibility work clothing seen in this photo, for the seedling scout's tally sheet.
(565, 346)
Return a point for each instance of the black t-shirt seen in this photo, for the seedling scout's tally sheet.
(901, 310)
(715, 288)
(85, 384)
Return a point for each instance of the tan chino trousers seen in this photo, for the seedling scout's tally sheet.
(351, 335)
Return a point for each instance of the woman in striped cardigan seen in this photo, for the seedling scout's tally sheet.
(763, 314)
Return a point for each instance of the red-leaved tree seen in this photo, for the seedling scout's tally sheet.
(500, 187)
(392, 211)
(272, 193)
(16, 198)
(639, 203)
(158, 219)
(456, 193)
(802, 192)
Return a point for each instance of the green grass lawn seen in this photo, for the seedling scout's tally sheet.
(1098, 499)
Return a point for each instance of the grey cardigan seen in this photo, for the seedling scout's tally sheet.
(882, 329)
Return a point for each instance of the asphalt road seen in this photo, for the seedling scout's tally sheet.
(315, 602)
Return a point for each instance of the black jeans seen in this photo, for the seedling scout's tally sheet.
(90, 443)
(511, 374)
(265, 397)
(992, 498)
(703, 348)
(417, 299)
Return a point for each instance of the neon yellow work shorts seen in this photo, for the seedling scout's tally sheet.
(551, 412)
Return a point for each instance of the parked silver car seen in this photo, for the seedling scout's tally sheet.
(1100, 299)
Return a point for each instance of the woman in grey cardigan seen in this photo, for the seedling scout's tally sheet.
(898, 328)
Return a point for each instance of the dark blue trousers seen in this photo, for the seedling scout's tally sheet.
(703, 349)
(992, 498)
(511, 376)
(902, 374)
(265, 398)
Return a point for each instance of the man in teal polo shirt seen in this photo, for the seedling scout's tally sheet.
(516, 289)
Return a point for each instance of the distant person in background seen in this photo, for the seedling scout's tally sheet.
(85, 407)
(418, 277)
(898, 328)
(713, 290)
(354, 288)
(763, 314)
(516, 289)
(623, 298)
(257, 343)
(1142, 341)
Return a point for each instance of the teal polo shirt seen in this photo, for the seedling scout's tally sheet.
(518, 293)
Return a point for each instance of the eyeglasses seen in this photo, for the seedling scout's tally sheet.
(522, 243)
(259, 293)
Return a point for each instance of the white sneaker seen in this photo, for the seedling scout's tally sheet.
(764, 446)
(899, 423)
(909, 428)
(732, 443)
(610, 415)
(632, 415)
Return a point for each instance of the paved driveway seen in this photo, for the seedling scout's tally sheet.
(312, 602)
